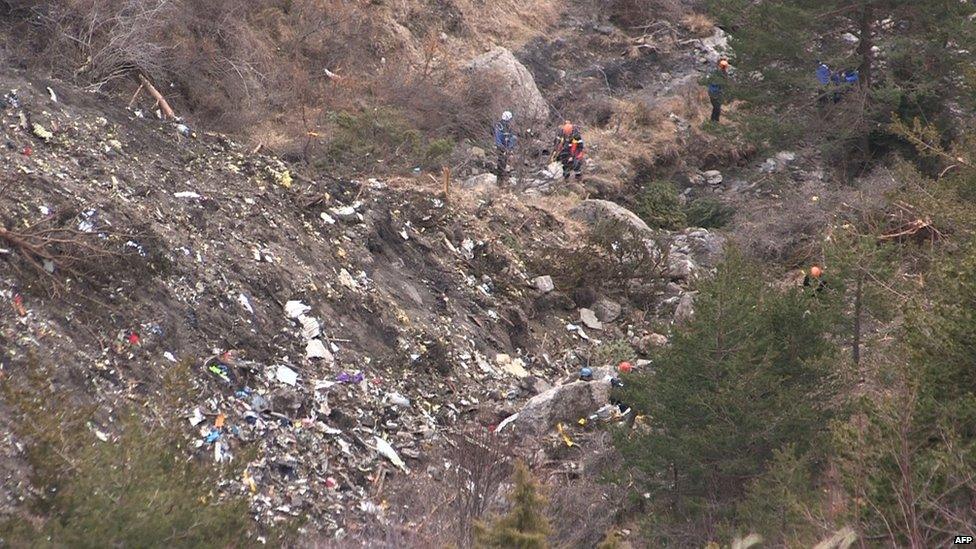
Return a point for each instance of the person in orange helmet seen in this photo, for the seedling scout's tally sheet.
(716, 87)
(568, 149)
(814, 278)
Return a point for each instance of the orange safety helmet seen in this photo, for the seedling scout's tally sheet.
(815, 271)
(568, 128)
(723, 64)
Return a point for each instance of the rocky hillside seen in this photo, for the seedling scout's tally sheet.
(360, 313)
(336, 330)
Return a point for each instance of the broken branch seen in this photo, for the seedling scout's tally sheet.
(167, 110)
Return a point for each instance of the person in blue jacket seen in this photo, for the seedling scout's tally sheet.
(823, 78)
(505, 140)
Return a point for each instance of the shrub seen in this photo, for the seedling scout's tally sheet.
(698, 24)
(659, 207)
(524, 526)
(708, 213)
(437, 150)
(135, 490)
(612, 353)
(637, 12)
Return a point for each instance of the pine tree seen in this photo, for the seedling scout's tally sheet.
(524, 526)
(910, 56)
(908, 461)
(748, 376)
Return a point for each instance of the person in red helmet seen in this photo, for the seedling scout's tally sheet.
(568, 149)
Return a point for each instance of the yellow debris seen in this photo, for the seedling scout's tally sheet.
(562, 432)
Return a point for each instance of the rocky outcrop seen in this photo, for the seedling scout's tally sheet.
(511, 81)
(483, 181)
(685, 312)
(593, 212)
(693, 250)
(567, 402)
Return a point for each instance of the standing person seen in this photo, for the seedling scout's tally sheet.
(568, 149)
(505, 140)
(716, 87)
(823, 78)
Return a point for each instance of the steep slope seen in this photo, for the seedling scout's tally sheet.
(177, 249)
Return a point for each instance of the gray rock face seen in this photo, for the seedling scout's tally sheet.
(567, 402)
(711, 49)
(484, 180)
(512, 82)
(680, 266)
(778, 163)
(685, 311)
(594, 211)
(657, 340)
(691, 250)
(535, 385)
(713, 177)
(607, 310)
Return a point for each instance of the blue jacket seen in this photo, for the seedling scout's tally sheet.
(823, 74)
(504, 138)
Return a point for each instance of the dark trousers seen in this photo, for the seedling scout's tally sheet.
(571, 164)
(716, 107)
(502, 162)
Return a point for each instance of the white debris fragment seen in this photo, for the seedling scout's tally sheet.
(506, 422)
(316, 349)
(384, 448)
(169, 356)
(398, 400)
(242, 299)
(197, 417)
(295, 309)
(286, 375)
(186, 194)
(311, 328)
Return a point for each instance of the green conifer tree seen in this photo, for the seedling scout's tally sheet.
(525, 526)
(747, 377)
(910, 57)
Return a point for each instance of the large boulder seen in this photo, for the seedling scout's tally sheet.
(511, 81)
(607, 310)
(567, 402)
(594, 211)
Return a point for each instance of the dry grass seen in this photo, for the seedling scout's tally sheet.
(649, 125)
(698, 24)
(261, 73)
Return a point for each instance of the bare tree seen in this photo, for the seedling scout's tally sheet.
(482, 461)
